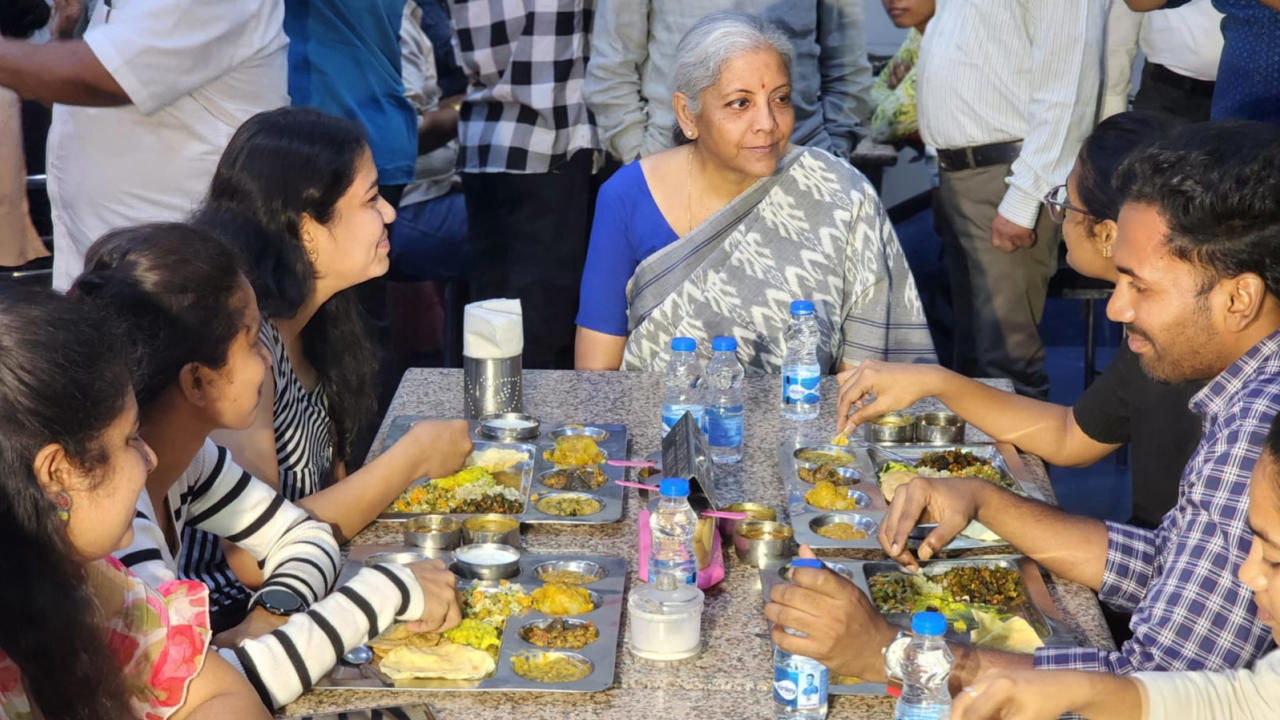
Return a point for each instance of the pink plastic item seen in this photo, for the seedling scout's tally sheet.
(707, 576)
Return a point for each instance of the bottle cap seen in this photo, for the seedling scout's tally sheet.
(928, 623)
(673, 487)
(814, 563)
(724, 344)
(800, 308)
(683, 344)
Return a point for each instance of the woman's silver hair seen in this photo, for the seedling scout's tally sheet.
(713, 41)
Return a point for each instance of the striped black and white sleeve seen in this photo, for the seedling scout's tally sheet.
(294, 551)
(285, 663)
(147, 555)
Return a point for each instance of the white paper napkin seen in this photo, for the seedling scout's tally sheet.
(493, 329)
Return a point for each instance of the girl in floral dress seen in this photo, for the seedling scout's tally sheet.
(82, 637)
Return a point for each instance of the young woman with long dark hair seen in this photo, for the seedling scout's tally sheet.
(190, 321)
(296, 192)
(83, 638)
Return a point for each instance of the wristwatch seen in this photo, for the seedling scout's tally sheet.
(278, 601)
(893, 653)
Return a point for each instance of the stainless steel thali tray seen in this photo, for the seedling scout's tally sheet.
(1040, 612)
(860, 477)
(602, 654)
(610, 495)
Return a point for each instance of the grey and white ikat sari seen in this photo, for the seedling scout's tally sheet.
(814, 230)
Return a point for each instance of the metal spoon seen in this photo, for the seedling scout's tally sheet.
(358, 655)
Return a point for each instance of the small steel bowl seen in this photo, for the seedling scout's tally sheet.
(859, 522)
(509, 427)
(492, 528)
(753, 511)
(433, 532)
(939, 428)
(487, 561)
(594, 433)
(757, 542)
(584, 665)
(542, 505)
(586, 568)
(860, 500)
(844, 453)
(892, 428)
(394, 557)
(848, 476)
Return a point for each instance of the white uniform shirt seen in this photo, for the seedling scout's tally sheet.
(194, 71)
(1186, 39)
(995, 71)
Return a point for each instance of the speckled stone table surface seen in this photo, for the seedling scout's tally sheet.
(732, 677)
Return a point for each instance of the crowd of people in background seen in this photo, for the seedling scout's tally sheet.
(253, 202)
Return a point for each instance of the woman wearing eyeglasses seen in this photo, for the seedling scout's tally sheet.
(1122, 406)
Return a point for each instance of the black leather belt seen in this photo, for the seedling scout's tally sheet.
(979, 155)
(1177, 81)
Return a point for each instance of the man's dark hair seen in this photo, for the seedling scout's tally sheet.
(1217, 185)
(20, 18)
(1271, 445)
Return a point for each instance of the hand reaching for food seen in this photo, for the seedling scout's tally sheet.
(950, 502)
(1044, 695)
(443, 445)
(440, 609)
(842, 630)
(874, 388)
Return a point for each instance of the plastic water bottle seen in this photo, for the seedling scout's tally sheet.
(800, 370)
(671, 528)
(926, 665)
(684, 386)
(799, 682)
(724, 401)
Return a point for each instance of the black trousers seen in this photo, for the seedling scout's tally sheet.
(1167, 92)
(529, 240)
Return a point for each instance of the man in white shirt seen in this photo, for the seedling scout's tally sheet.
(145, 103)
(1181, 48)
(1006, 91)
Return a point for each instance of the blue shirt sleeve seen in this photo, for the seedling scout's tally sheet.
(626, 229)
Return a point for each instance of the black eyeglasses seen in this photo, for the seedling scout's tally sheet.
(1058, 204)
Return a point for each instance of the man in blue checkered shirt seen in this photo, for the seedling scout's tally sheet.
(1198, 252)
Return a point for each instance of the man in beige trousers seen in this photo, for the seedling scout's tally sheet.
(1007, 91)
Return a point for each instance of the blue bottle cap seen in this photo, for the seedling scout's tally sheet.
(814, 563)
(724, 344)
(928, 623)
(800, 308)
(683, 344)
(673, 487)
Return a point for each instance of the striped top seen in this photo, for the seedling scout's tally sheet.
(300, 421)
(304, 450)
(294, 551)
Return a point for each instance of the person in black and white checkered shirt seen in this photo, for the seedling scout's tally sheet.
(529, 148)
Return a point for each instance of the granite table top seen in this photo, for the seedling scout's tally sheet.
(732, 677)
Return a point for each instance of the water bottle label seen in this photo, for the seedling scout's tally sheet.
(931, 711)
(800, 688)
(671, 416)
(797, 389)
(669, 421)
(724, 426)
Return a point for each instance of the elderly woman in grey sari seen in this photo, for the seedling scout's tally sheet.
(719, 234)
